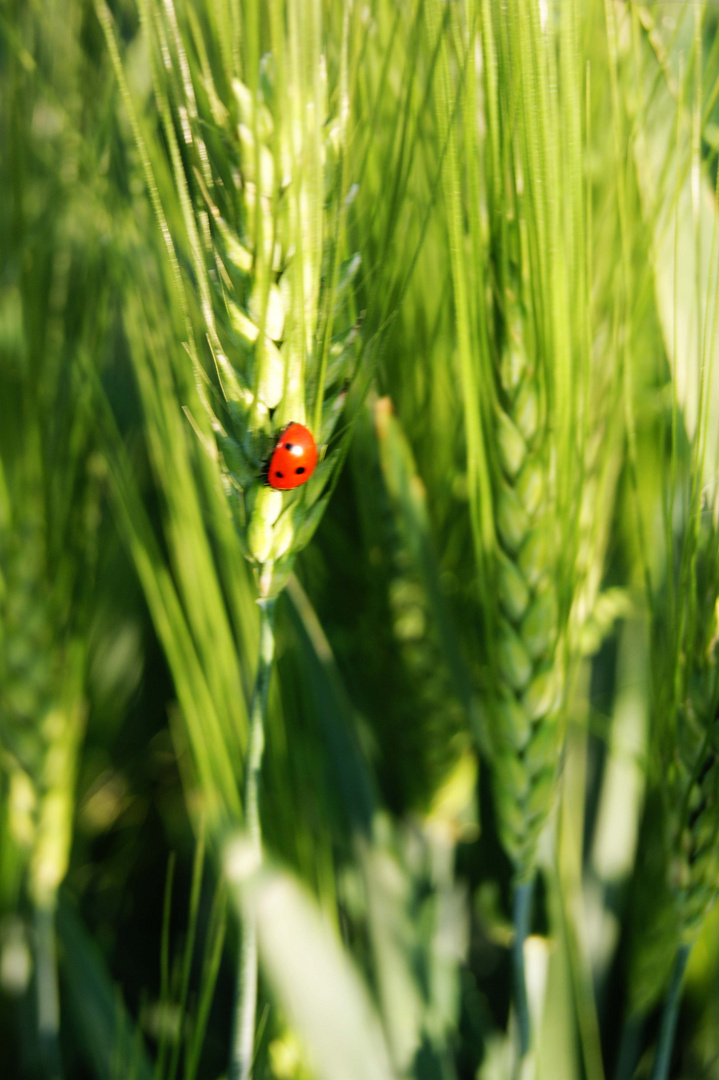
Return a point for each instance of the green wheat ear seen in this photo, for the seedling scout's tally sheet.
(686, 742)
(281, 369)
(552, 426)
(259, 169)
(529, 666)
(41, 716)
(270, 314)
(678, 868)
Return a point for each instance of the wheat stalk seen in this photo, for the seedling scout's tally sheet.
(258, 164)
(540, 441)
(523, 364)
(536, 368)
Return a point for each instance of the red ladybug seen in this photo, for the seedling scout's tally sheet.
(293, 459)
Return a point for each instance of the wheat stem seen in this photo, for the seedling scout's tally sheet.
(243, 1038)
(663, 1059)
(523, 896)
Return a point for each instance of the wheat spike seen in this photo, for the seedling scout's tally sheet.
(529, 675)
(261, 180)
(686, 741)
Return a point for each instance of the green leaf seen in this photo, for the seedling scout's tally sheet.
(315, 981)
(679, 205)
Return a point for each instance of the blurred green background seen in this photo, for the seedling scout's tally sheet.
(124, 594)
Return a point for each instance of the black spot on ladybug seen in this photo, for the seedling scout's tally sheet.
(300, 470)
(288, 445)
(278, 474)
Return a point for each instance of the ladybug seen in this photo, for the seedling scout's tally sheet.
(293, 459)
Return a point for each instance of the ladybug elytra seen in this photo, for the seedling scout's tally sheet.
(293, 459)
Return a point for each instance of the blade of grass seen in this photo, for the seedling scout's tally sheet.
(331, 1011)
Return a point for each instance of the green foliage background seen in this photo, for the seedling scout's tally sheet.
(128, 616)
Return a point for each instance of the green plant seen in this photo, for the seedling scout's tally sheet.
(537, 399)
(251, 190)
(472, 249)
(54, 316)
